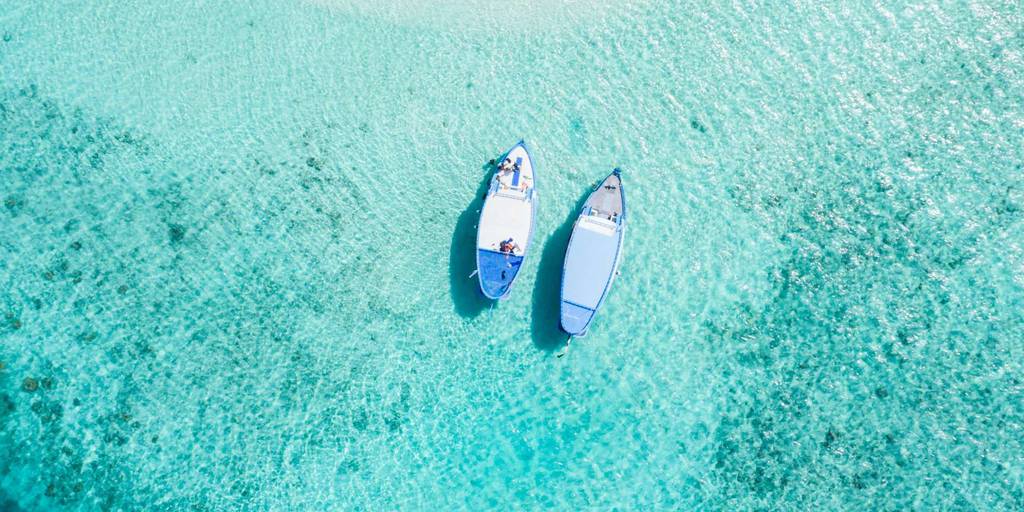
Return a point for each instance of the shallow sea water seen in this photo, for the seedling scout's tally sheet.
(237, 237)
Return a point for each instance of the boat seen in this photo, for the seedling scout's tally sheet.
(506, 223)
(593, 255)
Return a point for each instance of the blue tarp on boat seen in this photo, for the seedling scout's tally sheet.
(497, 271)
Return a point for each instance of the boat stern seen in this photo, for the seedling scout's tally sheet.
(575, 319)
(497, 272)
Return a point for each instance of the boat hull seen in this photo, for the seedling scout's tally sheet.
(593, 256)
(508, 216)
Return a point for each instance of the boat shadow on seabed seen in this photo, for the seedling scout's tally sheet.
(466, 295)
(547, 290)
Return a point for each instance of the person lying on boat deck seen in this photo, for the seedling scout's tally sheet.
(505, 180)
(505, 177)
(508, 246)
(506, 165)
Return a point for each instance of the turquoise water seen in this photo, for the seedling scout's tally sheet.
(237, 237)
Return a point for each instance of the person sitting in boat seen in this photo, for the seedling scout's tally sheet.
(508, 246)
(524, 183)
(505, 175)
(506, 165)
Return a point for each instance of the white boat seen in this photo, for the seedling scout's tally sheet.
(593, 256)
(506, 223)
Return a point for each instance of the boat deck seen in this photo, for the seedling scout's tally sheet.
(589, 265)
(606, 201)
(503, 218)
(508, 210)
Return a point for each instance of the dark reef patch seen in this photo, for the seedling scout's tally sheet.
(176, 233)
(578, 138)
(81, 154)
(14, 204)
(824, 352)
(7, 404)
(221, 318)
(872, 373)
(838, 376)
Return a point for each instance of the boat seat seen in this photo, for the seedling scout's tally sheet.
(599, 225)
(511, 193)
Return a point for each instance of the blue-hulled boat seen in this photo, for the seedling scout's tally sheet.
(592, 259)
(506, 223)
